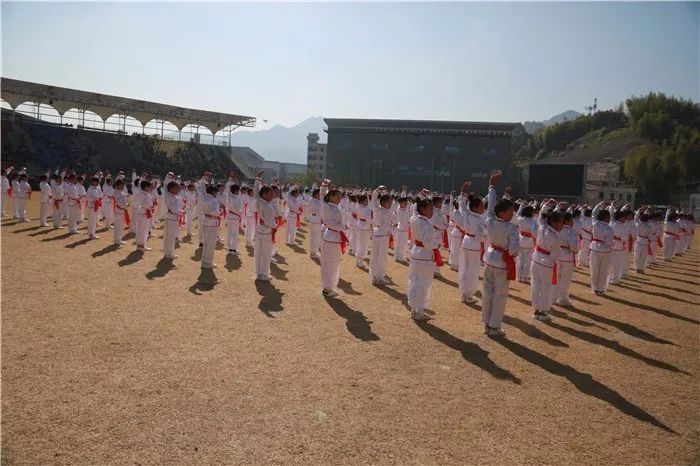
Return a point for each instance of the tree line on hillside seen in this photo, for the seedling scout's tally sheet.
(664, 170)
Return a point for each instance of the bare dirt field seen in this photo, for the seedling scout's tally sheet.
(110, 356)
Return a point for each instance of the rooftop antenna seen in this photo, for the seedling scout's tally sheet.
(594, 108)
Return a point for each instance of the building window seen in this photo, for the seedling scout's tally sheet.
(601, 195)
(452, 149)
(380, 147)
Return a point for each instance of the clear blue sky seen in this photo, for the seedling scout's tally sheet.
(286, 62)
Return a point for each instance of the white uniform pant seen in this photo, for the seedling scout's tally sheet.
(522, 264)
(118, 226)
(15, 206)
(641, 256)
(618, 259)
(469, 264)
(142, 226)
(22, 208)
(400, 245)
(208, 245)
(64, 210)
(73, 217)
(352, 238)
(82, 213)
(57, 215)
(92, 217)
(189, 221)
(330, 264)
(495, 296)
(584, 253)
(654, 248)
(233, 227)
(600, 265)
(291, 229)
(3, 200)
(420, 281)
(108, 212)
(315, 237)
(170, 234)
(379, 258)
(362, 244)
(249, 230)
(455, 251)
(542, 289)
(263, 254)
(565, 273)
(669, 246)
(44, 208)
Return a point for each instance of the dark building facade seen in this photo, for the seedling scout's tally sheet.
(439, 155)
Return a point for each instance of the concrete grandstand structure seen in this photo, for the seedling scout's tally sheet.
(16, 93)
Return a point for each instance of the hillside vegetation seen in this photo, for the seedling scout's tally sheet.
(655, 138)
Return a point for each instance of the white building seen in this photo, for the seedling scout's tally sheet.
(602, 182)
(316, 156)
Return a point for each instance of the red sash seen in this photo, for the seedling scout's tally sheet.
(29, 193)
(344, 241)
(149, 213)
(658, 242)
(56, 203)
(483, 250)
(181, 219)
(508, 259)
(629, 244)
(218, 219)
(9, 191)
(272, 230)
(410, 235)
(299, 217)
(97, 205)
(391, 241)
(354, 215)
(554, 270)
(437, 258)
(677, 236)
(280, 221)
(527, 234)
(127, 217)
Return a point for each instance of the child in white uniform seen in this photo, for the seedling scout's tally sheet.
(94, 205)
(211, 222)
(527, 228)
(379, 257)
(172, 216)
(403, 223)
(334, 242)
(314, 211)
(233, 218)
(499, 259)
(424, 255)
(122, 219)
(567, 259)
(472, 222)
(24, 193)
(601, 245)
(45, 201)
(543, 268)
(363, 229)
(266, 230)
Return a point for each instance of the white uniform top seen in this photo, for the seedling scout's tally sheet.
(315, 210)
(382, 217)
(586, 228)
(15, 188)
(548, 240)
(500, 233)
(210, 211)
(602, 233)
(120, 200)
(80, 190)
(57, 192)
(45, 192)
(473, 224)
(108, 192)
(4, 184)
(24, 190)
(403, 218)
(250, 206)
(173, 206)
(189, 200)
(619, 235)
(529, 225)
(364, 217)
(71, 193)
(143, 201)
(93, 194)
(234, 207)
(293, 204)
(332, 217)
(425, 233)
(569, 244)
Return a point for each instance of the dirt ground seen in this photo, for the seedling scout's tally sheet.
(109, 356)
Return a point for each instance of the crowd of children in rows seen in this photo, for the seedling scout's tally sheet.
(540, 243)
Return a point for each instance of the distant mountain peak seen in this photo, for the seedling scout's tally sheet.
(532, 126)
